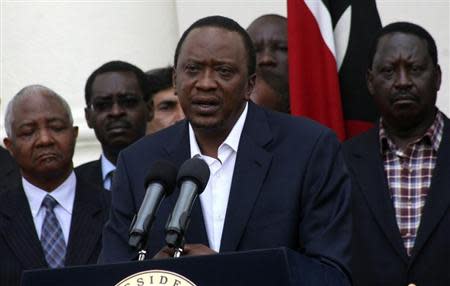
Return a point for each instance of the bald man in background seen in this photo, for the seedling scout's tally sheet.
(269, 37)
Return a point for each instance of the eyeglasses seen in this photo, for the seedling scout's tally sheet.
(124, 101)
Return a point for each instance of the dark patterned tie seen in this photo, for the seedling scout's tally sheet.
(111, 175)
(111, 178)
(52, 238)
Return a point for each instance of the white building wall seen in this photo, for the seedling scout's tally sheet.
(59, 43)
(243, 11)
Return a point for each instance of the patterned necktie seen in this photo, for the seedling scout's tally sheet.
(111, 178)
(52, 238)
(111, 175)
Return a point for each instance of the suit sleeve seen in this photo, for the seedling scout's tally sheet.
(115, 233)
(325, 227)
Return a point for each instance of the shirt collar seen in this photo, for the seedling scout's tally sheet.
(231, 141)
(64, 194)
(431, 137)
(107, 167)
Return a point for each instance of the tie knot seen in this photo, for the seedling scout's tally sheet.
(49, 202)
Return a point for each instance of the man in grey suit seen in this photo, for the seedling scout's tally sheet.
(49, 218)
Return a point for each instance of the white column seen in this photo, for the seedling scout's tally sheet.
(242, 11)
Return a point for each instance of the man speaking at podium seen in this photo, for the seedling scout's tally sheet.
(275, 180)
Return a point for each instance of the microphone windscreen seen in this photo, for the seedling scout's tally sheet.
(194, 169)
(163, 172)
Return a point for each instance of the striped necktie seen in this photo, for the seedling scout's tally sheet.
(52, 238)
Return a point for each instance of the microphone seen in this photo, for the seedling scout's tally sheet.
(192, 179)
(159, 183)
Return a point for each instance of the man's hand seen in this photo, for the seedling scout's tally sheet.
(189, 250)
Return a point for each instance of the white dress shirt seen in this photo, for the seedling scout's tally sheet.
(64, 194)
(107, 167)
(214, 199)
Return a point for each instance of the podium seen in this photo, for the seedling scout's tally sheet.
(280, 266)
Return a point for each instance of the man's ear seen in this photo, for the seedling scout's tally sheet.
(438, 77)
(75, 131)
(8, 144)
(88, 116)
(250, 86)
(174, 81)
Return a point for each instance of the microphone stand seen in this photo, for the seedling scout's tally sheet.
(142, 254)
(178, 252)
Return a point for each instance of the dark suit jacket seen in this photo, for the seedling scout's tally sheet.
(20, 248)
(289, 188)
(91, 172)
(9, 171)
(379, 257)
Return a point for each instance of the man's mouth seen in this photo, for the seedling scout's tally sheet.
(118, 127)
(117, 130)
(205, 106)
(404, 99)
(46, 157)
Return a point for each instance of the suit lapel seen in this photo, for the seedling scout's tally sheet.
(19, 231)
(91, 172)
(438, 199)
(9, 171)
(252, 163)
(87, 224)
(370, 170)
(179, 151)
(96, 174)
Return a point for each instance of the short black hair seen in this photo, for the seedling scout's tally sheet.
(406, 28)
(117, 66)
(159, 79)
(229, 25)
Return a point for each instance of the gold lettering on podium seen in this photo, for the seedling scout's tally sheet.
(155, 278)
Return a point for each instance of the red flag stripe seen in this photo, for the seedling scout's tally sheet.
(323, 20)
(314, 84)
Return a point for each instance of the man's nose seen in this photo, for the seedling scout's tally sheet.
(207, 80)
(45, 137)
(266, 57)
(403, 79)
(116, 109)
